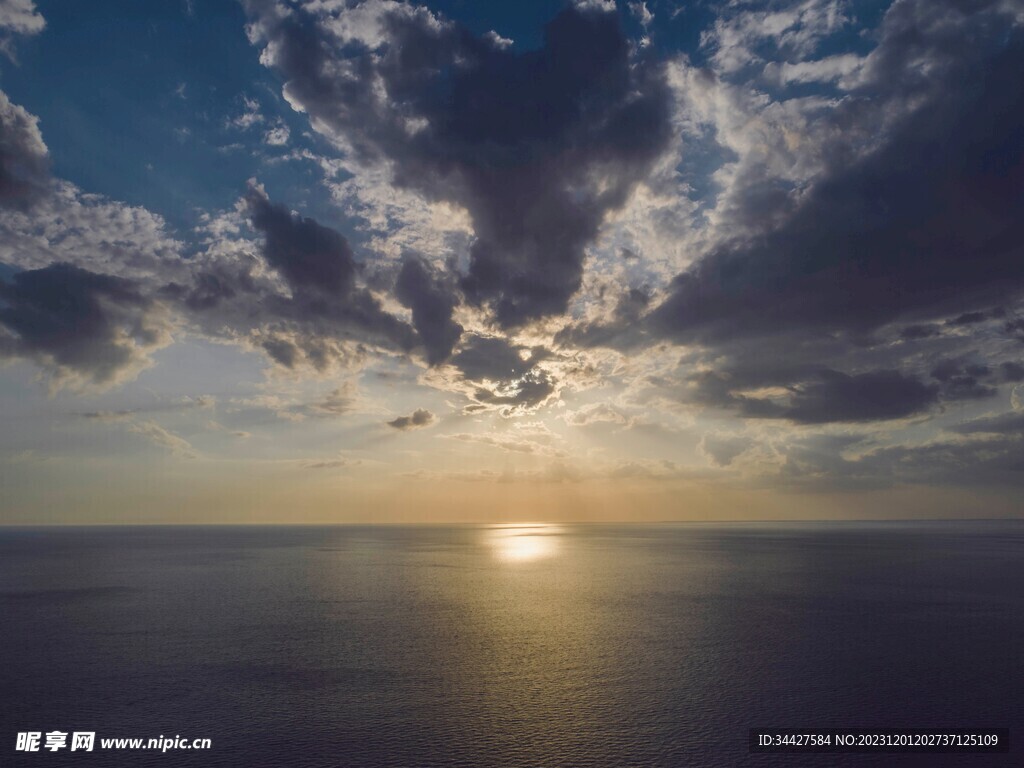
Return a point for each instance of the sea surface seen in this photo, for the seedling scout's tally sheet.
(555, 645)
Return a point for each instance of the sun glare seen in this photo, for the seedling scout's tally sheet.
(523, 543)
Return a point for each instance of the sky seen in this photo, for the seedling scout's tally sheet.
(332, 261)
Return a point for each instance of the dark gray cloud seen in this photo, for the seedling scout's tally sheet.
(492, 358)
(986, 461)
(216, 284)
(988, 454)
(802, 383)
(75, 321)
(1015, 328)
(524, 393)
(920, 331)
(418, 419)
(814, 396)
(964, 380)
(871, 396)
(931, 223)
(311, 257)
(537, 146)
(325, 303)
(502, 374)
(24, 159)
(919, 224)
(432, 300)
(1011, 371)
(282, 351)
(927, 225)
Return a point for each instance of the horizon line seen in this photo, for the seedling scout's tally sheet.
(510, 523)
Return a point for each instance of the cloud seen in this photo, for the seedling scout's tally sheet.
(65, 224)
(533, 438)
(840, 219)
(520, 396)
(820, 463)
(561, 471)
(338, 402)
(310, 308)
(329, 464)
(492, 358)
(309, 256)
(595, 6)
(920, 331)
(277, 136)
(18, 17)
(80, 303)
(925, 225)
(865, 249)
(216, 426)
(250, 117)
(962, 380)
(1010, 423)
(790, 30)
(432, 301)
(722, 450)
(418, 419)
(24, 158)
(87, 329)
(642, 13)
(622, 329)
(595, 413)
(108, 416)
(496, 374)
(538, 146)
(159, 436)
(790, 227)
(828, 69)
(1011, 371)
(179, 404)
(813, 396)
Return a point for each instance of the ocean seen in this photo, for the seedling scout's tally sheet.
(545, 645)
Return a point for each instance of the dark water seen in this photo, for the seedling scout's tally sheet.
(477, 646)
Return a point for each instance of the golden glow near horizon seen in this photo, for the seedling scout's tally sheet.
(525, 542)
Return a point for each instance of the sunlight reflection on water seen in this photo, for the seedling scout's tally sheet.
(529, 645)
(522, 543)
